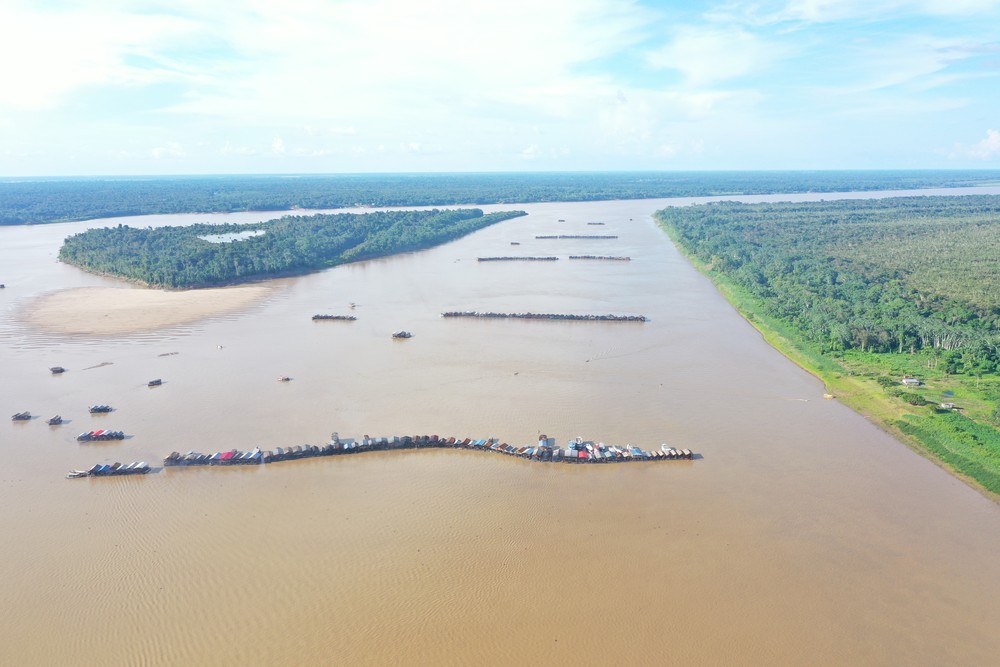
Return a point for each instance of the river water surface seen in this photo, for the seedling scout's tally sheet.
(804, 534)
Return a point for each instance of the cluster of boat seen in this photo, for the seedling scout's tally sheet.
(516, 259)
(55, 421)
(346, 318)
(111, 470)
(577, 451)
(617, 259)
(100, 435)
(545, 316)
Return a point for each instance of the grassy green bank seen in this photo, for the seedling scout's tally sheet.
(964, 439)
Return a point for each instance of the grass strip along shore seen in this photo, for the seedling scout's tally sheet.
(890, 302)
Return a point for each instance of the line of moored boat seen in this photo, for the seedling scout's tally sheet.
(516, 259)
(576, 451)
(101, 435)
(576, 236)
(545, 316)
(111, 470)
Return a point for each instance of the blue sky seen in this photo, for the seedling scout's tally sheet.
(95, 87)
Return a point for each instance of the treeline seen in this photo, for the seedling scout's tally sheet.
(26, 201)
(179, 257)
(898, 275)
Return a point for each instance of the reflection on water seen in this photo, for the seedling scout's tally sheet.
(804, 536)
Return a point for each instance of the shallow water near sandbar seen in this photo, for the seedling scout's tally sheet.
(804, 535)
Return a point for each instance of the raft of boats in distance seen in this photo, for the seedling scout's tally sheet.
(508, 258)
(576, 236)
(576, 451)
(20, 416)
(546, 316)
(345, 318)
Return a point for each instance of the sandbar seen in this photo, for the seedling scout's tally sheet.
(116, 310)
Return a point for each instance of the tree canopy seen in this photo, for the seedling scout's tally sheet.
(181, 257)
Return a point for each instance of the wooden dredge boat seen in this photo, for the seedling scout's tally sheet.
(101, 435)
(100, 409)
(402, 334)
(154, 383)
(345, 318)
(55, 421)
(111, 470)
(56, 370)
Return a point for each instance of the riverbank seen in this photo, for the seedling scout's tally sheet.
(949, 443)
(98, 311)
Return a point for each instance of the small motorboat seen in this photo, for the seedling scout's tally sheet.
(284, 378)
(56, 370)
(402, 334)
(76, 474)
(154, 383)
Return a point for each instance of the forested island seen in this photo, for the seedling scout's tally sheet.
(867, 293)
(35, 201)
(181, 257)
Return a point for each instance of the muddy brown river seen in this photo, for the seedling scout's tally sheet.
(803, 535)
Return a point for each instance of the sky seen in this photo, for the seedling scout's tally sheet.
(132, 87)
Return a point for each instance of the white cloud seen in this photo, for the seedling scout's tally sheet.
(49, 54)
(278, 146)
(986, 149)
(707, 55)
(763, 12)
(171, 150)
(531, 152)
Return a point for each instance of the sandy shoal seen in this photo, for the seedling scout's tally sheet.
(113, 310)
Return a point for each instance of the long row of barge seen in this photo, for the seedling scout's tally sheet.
(577, 451)
(544, 316)
(576, 236)
(507, 258)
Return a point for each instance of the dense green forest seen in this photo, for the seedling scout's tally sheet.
(866, 292)
(181, 257)
(34, 201)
